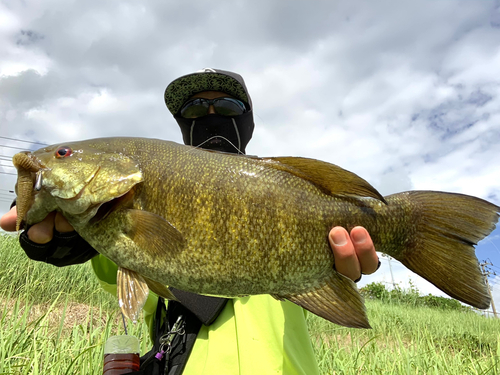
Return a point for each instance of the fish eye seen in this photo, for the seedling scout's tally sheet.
(63, 152)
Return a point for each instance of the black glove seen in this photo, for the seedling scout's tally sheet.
(64, 249)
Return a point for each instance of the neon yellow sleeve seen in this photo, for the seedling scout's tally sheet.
(252, 335)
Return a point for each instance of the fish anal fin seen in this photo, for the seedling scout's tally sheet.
(153, 233)
(336, 300)
(330, 178)
(132, 291)
(160, 289)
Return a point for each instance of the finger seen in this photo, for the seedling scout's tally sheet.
(365, 250)
(62, 225)
(346, 261)
(8, 221)
(43, 231)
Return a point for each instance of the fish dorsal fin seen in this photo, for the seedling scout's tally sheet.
(330, 178)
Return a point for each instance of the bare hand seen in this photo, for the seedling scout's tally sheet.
(355, 253)
(42, 232)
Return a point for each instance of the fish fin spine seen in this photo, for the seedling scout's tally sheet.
(132, 292)
(330, 178)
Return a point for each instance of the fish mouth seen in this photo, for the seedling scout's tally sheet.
(29, 180)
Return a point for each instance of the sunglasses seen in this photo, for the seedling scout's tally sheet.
(223, 106)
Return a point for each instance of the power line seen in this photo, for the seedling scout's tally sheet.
(4, 165)
(10, 191)
(491, 268)
(22, 140)
(17, 148)
(491, 265)
(13, 174)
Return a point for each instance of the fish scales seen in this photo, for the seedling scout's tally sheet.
(229, 262)
(221, 224)
(301, 217)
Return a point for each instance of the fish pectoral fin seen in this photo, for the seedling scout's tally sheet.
(153, 234)
(336, 300)
(160, 289)
(332, 179)
(132, 291)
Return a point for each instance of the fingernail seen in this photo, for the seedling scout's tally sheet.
(359, 236)
(339, 237)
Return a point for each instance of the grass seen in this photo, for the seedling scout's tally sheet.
(409, 340)
(55, 321)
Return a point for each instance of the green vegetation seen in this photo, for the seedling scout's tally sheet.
(55, 321)
(409, 297)
(409, 340)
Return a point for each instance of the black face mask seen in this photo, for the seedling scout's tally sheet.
(216, 132)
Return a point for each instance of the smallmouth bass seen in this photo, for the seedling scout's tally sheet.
(227, 225)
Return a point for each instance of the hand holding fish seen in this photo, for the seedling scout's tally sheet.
(353, 257)
(42, 232)
(354, 253)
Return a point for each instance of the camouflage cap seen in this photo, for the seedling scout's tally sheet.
(207, 79)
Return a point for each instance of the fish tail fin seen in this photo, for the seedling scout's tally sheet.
(446, 227)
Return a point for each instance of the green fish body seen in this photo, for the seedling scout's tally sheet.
(227, 225)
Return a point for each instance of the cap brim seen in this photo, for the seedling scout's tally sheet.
(181, 89)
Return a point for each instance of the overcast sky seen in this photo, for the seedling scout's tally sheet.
(404, 93)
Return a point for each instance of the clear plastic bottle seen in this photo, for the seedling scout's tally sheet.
(121, 355)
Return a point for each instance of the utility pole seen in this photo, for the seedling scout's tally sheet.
(486, 274)
(392, 276)
(390, 268)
